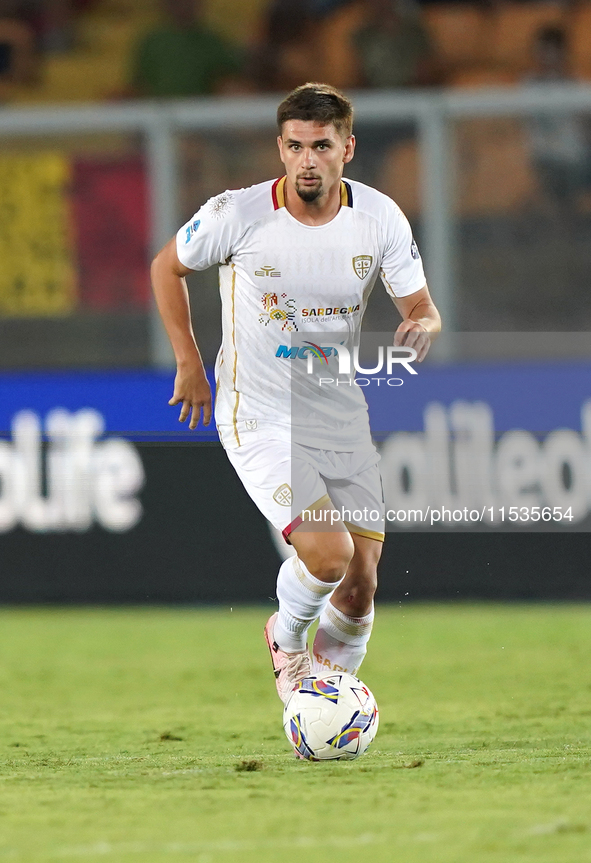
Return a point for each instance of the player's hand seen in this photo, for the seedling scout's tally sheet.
(410, 334)
(191, 388)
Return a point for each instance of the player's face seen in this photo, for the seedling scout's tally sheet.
(314, 155)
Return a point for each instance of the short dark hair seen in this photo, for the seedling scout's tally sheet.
(319, 103)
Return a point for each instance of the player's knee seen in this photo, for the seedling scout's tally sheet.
(330, 557)
(358, 590)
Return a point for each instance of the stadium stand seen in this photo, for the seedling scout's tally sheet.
(18, 60)
(461, 34)
(580, 41)
(476, 45)
(493, 176)
(286, 48)
(490, 46)
(96, 67)
(485, 46)
(339, 62)
(516, 25)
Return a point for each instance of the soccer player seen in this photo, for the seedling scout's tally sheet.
(298, 256)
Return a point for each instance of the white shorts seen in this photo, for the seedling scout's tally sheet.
(289, 482)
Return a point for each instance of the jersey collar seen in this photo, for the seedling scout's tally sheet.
(278, 193)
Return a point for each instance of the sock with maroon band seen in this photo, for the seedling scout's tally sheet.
(341, 641)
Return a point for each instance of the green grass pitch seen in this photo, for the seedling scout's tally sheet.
(125, 735)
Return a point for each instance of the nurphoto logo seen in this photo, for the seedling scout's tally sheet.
(395, 355)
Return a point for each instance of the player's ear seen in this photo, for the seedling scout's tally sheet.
(349, 149)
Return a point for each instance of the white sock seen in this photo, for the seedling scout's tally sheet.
(302, 597)
(341, 641)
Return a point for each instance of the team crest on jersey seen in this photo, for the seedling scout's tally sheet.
(283, 495)
(414, 250)
(281, 309)
(219, 206)
(362, 265)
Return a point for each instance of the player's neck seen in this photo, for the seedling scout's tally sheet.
(313, 213)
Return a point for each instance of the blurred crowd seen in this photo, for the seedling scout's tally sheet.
(522, 186)
(30, 29)
(378, 44)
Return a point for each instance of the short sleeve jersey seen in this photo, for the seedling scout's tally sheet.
(285, 285)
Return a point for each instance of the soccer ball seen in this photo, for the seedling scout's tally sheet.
(330, 718)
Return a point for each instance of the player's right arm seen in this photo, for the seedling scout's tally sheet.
(191, 387)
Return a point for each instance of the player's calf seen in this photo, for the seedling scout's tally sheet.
(341, 641)
(306, 582)
(354, 595)
(302, 597)
(345, 624)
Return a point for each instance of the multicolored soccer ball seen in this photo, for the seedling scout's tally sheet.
(331, 718)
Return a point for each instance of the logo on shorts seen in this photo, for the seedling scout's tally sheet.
(283, 495)
(362, 265)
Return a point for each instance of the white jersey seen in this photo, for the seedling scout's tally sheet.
(284, 284)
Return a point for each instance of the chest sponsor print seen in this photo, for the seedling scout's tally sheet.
(324, 313)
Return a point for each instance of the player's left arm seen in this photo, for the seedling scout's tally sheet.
(404, 279)
(420, 321)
